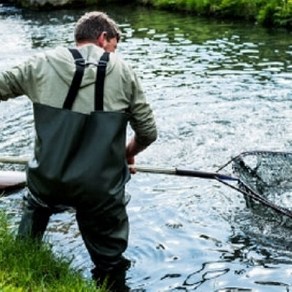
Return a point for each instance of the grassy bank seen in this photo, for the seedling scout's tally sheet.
(269, 13)
(26, 266)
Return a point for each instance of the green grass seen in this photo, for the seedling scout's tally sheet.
(28, 266)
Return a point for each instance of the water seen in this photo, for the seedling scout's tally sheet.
(217, 89)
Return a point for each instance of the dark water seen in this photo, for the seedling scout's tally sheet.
(217, 89)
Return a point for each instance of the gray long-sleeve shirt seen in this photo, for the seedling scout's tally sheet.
(45, 78)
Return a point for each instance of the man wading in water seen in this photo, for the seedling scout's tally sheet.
(83, 99)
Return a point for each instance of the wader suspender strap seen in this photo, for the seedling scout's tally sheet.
(99, 82)
(77, 79)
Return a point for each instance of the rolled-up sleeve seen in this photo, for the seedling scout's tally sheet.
(11, 83)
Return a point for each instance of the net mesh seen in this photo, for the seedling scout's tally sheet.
(268, 174)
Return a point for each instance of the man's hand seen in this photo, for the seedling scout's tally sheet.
(131, 161)
(132, 149)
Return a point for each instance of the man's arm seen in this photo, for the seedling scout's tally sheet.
(142, 122)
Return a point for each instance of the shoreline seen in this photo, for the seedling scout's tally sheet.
(270, 14)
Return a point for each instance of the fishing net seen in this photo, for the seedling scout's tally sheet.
(265, 177)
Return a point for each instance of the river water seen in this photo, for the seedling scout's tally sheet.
(217, 88)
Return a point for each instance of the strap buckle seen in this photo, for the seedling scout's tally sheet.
(102, 63)
(83, 63)
(80, 62)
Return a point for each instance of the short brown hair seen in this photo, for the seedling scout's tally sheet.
(92, 24)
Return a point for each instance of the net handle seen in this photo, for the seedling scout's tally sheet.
(222, 178)
(14, 159)
(184, 172)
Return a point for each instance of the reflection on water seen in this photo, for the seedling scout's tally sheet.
(217, 88)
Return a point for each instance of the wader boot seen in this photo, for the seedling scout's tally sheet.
(114, 276)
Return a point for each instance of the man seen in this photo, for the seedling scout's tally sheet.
(82, 101)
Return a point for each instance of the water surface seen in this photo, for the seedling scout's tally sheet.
(217, 89)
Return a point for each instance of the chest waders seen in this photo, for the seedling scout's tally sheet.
(78, 156)
(80, 161)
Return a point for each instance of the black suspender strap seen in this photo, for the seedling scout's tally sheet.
(99, 82)
(77, 79)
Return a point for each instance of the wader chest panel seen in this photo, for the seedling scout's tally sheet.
(76, 154)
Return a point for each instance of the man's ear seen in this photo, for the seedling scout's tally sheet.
(101, 39)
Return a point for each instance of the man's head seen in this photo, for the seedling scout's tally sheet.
(99, 29)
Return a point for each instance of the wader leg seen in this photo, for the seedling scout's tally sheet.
(106, 238)
(34, 219)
